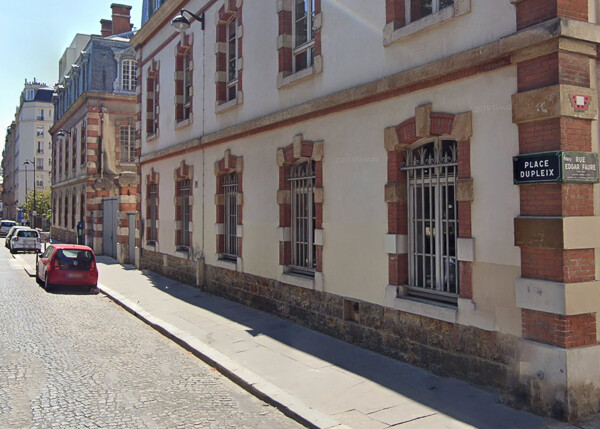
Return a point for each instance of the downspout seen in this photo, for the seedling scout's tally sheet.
(100, 152)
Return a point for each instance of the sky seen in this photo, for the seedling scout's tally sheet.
(33, 36)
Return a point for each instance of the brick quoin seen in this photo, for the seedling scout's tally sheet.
(555, 134)
(558, 330)
(532, 12)
(563, 266)
(553, 68)
(557, 200)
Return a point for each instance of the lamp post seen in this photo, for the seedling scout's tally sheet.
(31, 162)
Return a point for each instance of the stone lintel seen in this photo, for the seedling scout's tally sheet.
(423, 120)
(462, 128)
(390, 139)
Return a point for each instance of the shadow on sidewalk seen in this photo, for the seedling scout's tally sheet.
(474, 405)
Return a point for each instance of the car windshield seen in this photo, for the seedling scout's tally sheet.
(74, 259)
(8, 224)
(22, 233)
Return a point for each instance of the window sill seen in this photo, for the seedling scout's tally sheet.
(182, 252)
(290, 79)
(390, 35)
(222, 107)
(304, 281)
(184, 123)
(150, 137)
(151, 245)
(229, 264)
(433, 310)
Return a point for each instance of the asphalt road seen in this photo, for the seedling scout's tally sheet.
(70, 359)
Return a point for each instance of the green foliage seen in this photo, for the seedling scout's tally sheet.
(43, 202)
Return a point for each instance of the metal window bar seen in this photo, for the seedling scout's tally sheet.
(302, 180)
(230, 189)
(432, 220)
(184, 193)
(153, 197)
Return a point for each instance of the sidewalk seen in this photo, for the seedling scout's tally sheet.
(318, 380)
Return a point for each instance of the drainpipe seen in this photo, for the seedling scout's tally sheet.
(100, 151)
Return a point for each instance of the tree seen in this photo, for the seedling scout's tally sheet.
(43, 202)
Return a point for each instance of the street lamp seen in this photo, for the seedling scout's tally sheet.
(31, 162)
(180, 23)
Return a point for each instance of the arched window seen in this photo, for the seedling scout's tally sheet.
(432, 218)
(128, 75)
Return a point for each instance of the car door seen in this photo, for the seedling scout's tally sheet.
(43, 262)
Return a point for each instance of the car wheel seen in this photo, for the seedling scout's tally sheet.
(47, 285)
(37, 276)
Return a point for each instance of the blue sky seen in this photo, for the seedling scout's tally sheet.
(34, 35)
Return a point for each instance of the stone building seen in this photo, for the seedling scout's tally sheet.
(349, 166)
(27, 150)
(94, 171)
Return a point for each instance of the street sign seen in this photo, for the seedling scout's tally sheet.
(555, 167)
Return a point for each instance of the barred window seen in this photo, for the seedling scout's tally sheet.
(230, 190)
(129, 75)
(302, 181)
(304, 34)
(432, 219)
(153, 215)
(183, 188)
(127, 143)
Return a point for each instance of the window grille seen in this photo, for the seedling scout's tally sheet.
(304, 34)
(232, 54)
(153, 215)
(230, 189)
(302, 181)
(184, 194)
(432, 220)
(127, 143)
(187, 84)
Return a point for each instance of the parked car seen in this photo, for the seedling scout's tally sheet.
(5, 226)
(11, 232)
(25, 240)
(68, 265)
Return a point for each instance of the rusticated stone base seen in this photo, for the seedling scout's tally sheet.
(483, 357)
(63, 235)
(182, 270)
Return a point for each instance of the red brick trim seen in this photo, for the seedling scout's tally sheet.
(230, 10)
(299, 150)
(405, 135)
(558, 330)
(532, 12)
(183, 51)
(152, 179)
(227, 165)
(152, 99)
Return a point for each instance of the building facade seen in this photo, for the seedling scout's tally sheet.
(94, 170)
(350, 167)
(27, 151)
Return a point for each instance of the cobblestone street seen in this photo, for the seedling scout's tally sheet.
(69, 359)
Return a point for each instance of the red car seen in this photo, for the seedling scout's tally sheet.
(67, 264)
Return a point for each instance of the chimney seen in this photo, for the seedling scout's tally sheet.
(106, 27)
(121, 18)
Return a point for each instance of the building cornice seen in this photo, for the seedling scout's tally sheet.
(488, 57)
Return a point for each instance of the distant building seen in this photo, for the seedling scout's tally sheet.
(94, 170)
(149, 7)
(27, 151)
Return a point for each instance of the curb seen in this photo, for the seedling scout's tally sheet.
(248, 380)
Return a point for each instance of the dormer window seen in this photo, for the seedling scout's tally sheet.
(129, 75)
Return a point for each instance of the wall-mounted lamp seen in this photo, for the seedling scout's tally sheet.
(180, 23)
(62, 132)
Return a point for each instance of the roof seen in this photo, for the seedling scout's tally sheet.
(44, 95)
